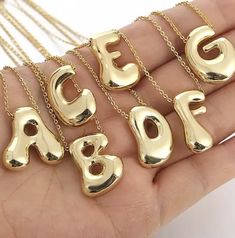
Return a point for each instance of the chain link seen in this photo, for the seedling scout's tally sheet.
(62, 28)
(10, 18)
(171, 23)
(197, 11)
(174, 51)
(5, 96)
(144, 69)
(25, 87)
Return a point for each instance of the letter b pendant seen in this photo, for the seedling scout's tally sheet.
(110, 170)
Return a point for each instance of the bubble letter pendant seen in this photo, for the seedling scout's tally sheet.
(153, 152)
(29, 130)
(94, 183)
(79, 110)
(112, 76)
(197, 138)
(217, 70)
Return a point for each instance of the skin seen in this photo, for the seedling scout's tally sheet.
(47, 201)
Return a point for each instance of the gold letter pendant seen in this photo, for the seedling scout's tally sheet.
(29, 130)
(197, 138)
(153, 152)
(216, 70)
(79, 110)
(112, 76)
(108, 168)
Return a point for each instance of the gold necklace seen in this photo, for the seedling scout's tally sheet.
(214, 71)
(110, 168)
(153, 152)
(197, 11)
(18, 26)
(197, 137)
(66, 31)
(28, 130)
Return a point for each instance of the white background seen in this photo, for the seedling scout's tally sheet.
(212, 217)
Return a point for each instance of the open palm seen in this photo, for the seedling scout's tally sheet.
(45, 201)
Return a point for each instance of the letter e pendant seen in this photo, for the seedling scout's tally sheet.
(113, 77)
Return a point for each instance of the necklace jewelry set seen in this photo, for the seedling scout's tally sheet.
(29, 129)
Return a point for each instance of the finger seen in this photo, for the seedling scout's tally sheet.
(184, 183)
(147, 41)
(219, 120)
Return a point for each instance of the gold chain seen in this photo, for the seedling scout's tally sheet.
(144, 69)
(62, 62)
(197, 11)
(25, 87)
(40, 76)
(99, 83)
(172, 24)
(5, 97)
(174, 51)
(10, 51)
(62, 28)
(11, 19)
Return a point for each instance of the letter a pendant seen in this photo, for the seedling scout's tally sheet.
(16, 155)
(110, 167)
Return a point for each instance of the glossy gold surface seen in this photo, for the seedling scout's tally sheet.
(217, 70)
(113, 77)
(16, 155)
(156, 151)
(79, 110)
(112, 167)
(197, 137)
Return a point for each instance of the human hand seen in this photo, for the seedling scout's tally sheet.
(47, 201)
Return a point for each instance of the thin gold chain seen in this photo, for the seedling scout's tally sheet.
(10, 51)
(174, 51)
(197, 11)
(6, 97)
(99, 83)
(172, 24)
(62, 62)
(11, 55)
(144, 69)
(25, 87)
(62, 28)
(11, 19)
(24, 55)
